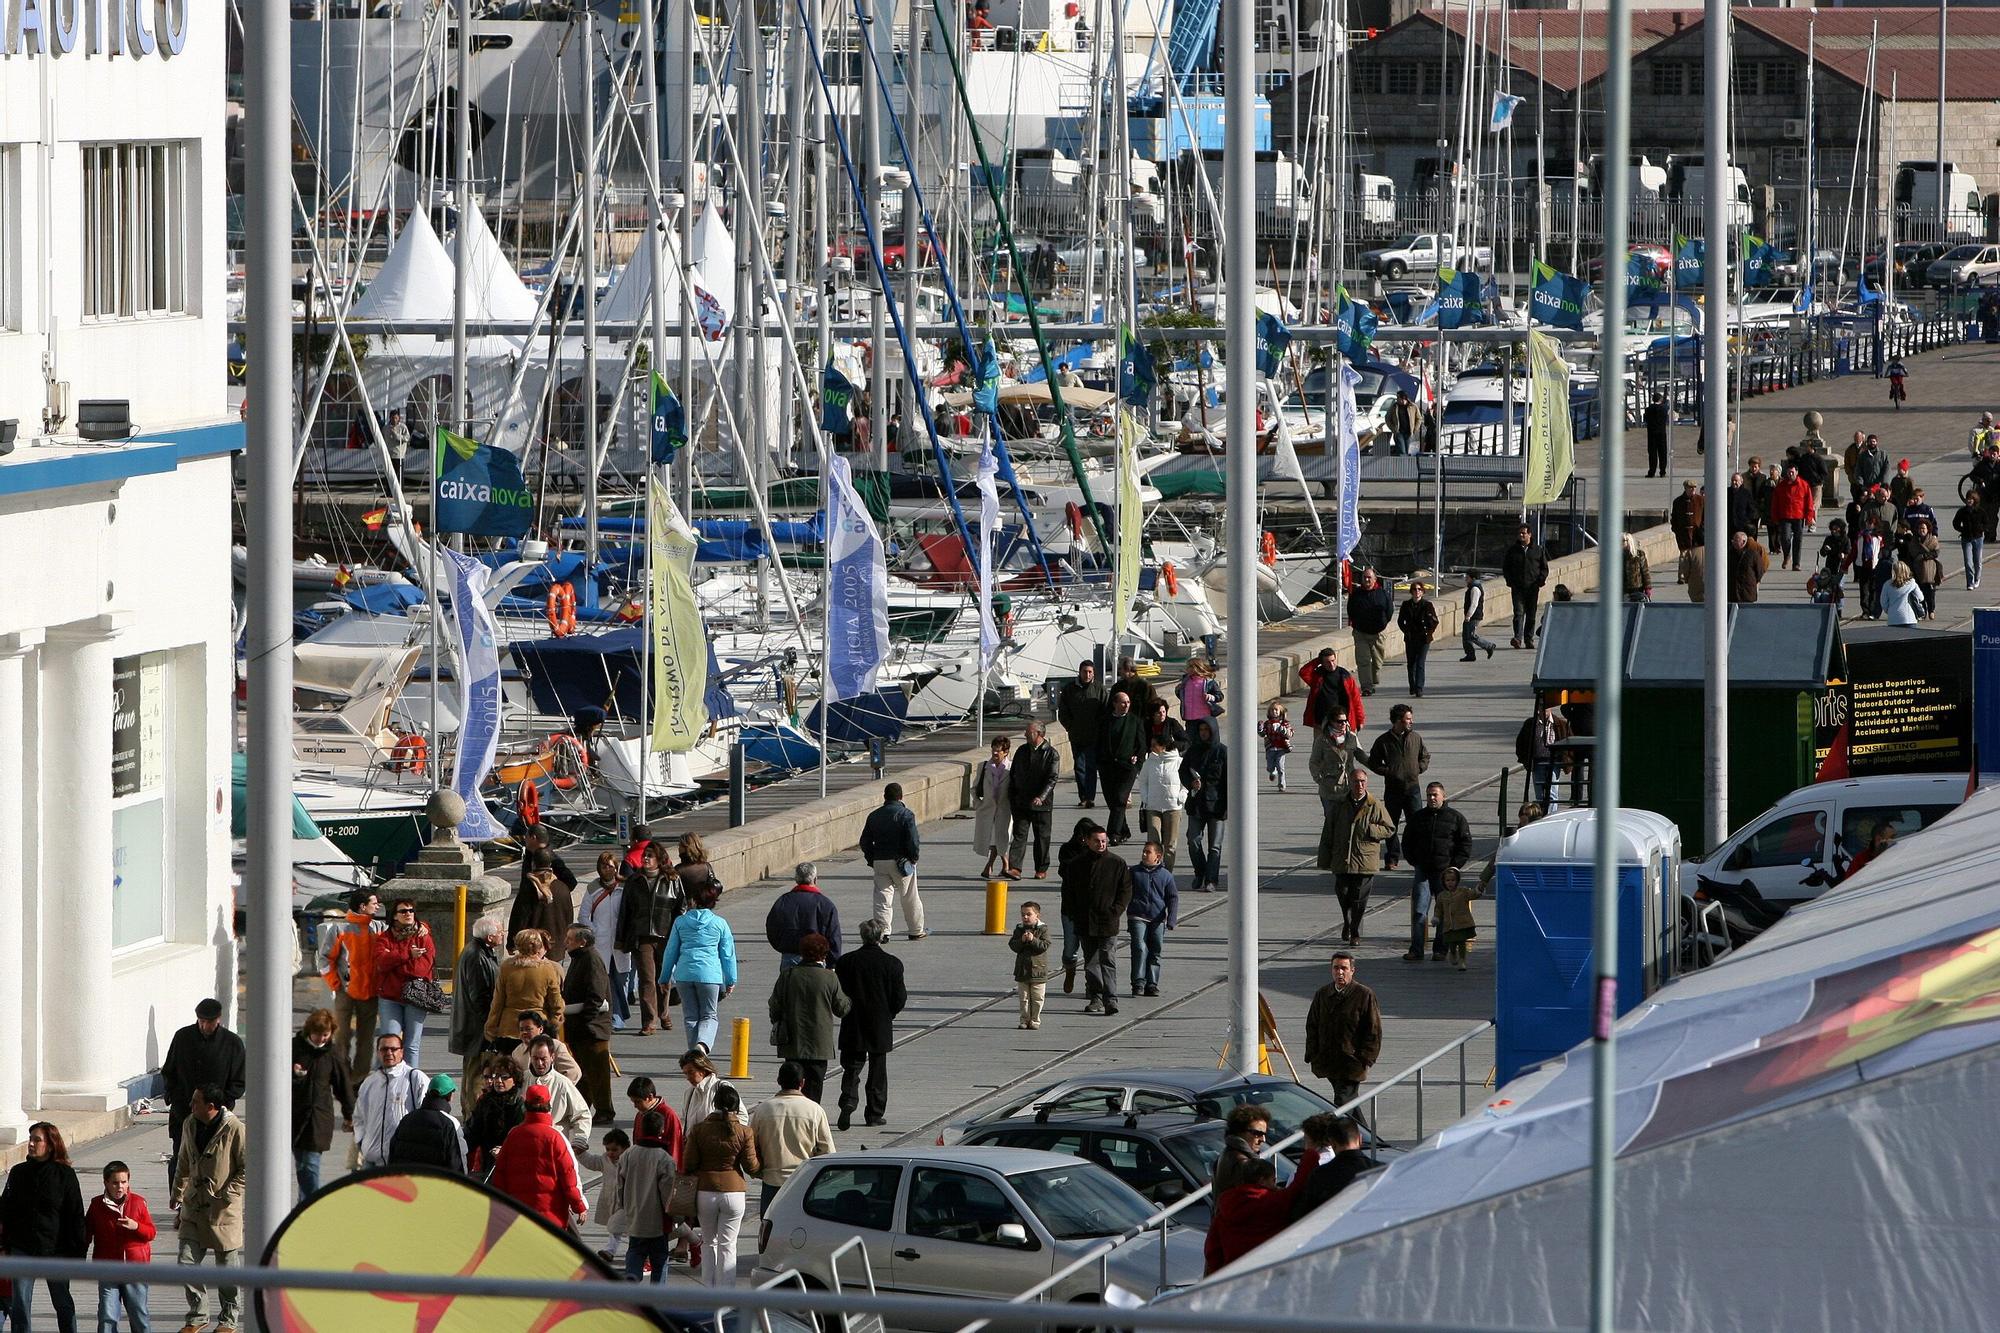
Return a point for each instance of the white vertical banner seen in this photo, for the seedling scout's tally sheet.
(680, 641)
(1349, 536)
(1286, 455)
(857, 622)
(989, 528)
(479, 693)
(1131, 518)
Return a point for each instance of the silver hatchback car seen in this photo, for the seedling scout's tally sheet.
(964, 1221)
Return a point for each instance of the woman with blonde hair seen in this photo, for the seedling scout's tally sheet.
(527, 980)
(1902, 598)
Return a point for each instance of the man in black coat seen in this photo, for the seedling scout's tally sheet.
(873, 980)
(1371, 609)
(471, 997)
(801, 911)
(1336, 1139)
(1031, 797)
(1081, 710)
(1656, 435)
(429, 1135)
(1107, 893)
(1525, 567)
(1435, 837)
(202, 1054)
(586, 993)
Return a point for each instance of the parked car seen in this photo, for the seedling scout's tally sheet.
(1913, 262)
(964, 1221)
(1423, 253)
(1963, 265)
(1165, 1155)
(1812, 834)
(1213, 1092)
(1661, 259)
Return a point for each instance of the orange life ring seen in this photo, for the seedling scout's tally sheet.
(530, 802)
(1269, 547)
(1171, 579)
(561, 609)
(410, 755)
(568, 760)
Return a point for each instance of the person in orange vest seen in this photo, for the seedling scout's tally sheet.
(347, 964)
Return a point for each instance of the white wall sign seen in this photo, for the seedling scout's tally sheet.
(93, 27)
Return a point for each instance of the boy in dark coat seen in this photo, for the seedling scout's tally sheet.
(873, 980)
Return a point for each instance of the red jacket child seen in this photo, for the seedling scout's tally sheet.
(536, 1168)
(110, 1239)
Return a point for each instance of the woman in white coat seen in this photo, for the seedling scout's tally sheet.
(992, 817)
(1161, 794)
(1902, 599)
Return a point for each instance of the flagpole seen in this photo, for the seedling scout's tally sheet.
(825, 578)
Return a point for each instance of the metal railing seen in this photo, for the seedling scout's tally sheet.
(1157, 1224)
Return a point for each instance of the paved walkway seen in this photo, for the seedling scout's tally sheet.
(957, 1044)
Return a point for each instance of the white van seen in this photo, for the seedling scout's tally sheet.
(1822, 827)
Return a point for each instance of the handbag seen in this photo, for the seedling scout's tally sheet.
(425, 994)
(681, 1202)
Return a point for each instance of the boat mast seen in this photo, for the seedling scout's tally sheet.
(656, 235)
(684, 469)
(587, 207)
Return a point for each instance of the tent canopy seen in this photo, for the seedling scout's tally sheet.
(1781, 1117)
(1770, 646)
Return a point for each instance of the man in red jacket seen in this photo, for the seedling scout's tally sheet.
(121, 1231)
(1327, 682)
(1791, 507)
(536, 1167)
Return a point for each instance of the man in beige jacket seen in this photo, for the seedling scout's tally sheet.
(789, 1129)
(211, 1171)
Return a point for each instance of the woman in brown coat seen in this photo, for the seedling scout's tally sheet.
(527, 980)
(722, 1157)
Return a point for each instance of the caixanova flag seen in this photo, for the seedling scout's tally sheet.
(480, 489)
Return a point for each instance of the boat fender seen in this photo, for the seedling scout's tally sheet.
(1171, 579)
(561, 609)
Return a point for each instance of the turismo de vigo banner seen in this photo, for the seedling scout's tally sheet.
(857, 620)
(480, 489)
(1130, 518)
(1551, 448)
(479, 692)
(680, 644)
(1349, 535)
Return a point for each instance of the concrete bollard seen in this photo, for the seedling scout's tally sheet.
(996, 907)
(739, 1048)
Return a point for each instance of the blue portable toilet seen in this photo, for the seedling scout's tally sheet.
(1542, 885)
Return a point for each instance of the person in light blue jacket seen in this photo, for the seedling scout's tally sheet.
(700, 958)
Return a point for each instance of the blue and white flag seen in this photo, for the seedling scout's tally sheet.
(480, 489)
(1690, 263)
(989, 526)
(1557, 298)
(670, 430)
(479, 693)
(985, 378)
(1136, 375)
(857, 621)
(1461, 299)
(836, 395)
(1354, 326)
(1272, 340)
(1349, 536)
(1865, 294)
(1503, 111)
(1803, 305)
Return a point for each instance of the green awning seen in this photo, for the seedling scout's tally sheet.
(239, 804)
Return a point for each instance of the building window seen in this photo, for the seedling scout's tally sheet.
(1667, 80)
(136, 202)
(1367, 77)
(1781, 79)
(1403, 78)
(1697, 78)
(141, 844)
(10, 229)
(1433, 78)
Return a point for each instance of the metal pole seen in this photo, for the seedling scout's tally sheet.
(1944, 225)
(913, 233)
(1715, 424)
(267, 164)
(461, 250)
(873, 96)
(1240, 196)
(1610, 687)
(750, 360)
(656, 237)
(588, 211)
(684, 466)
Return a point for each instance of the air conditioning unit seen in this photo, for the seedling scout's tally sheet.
(1795, 129)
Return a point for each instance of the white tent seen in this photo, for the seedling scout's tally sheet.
(495, 292)
(712, 264)
(414, 284)
(1803, 1138)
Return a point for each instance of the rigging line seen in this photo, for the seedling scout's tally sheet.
(1006, 464)
(1064, 421)
(895, 314)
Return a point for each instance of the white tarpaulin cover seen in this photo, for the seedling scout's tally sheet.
(1804, 1139)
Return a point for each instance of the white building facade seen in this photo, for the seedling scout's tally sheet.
(116, 643)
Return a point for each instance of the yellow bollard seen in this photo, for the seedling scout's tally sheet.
(458, 926)
(996, 907)
(739, 1048)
